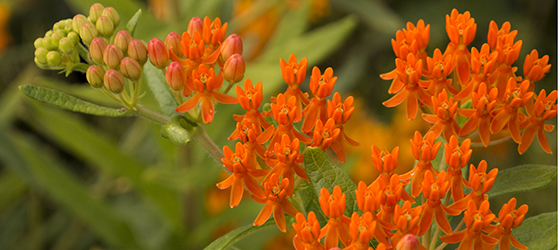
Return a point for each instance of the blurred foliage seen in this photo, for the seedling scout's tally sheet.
(72, 181)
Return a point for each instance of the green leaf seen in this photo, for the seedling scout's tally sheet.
(538, 232)
(133, 22)
(230, 238)
(64, 101)
(374, 13)
(322, 172)
(175, 131)
(153, 78)
(293, 24)
(311, 202)
(523, 178)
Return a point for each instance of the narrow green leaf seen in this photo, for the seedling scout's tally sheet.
(176, 132)
(322, 172)
(133, 22)
(293, 24)
(538, 232)
(154, 79)
(236, 235)
(64, 101)
(523, 178)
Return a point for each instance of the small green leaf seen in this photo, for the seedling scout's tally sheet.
(64, 101)
(236, 235)
(523, 178)
(322, 172)
(538, 232)
(133, 22)
(175, 130)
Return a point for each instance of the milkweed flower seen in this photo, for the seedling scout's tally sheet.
(480, 182)
(341, 112)
(534, 68)
(285, 112)
(308, 232)
(435, 189)
(413, 39)
(483, 103)
(321, 86)
(461, 30)
(333, 206)
(361, 230)
(509, 218)
(407, 221)
(544, 110)
(424, 150)
(287, 162)
(457, 158)
(502, 41)
(443, 119)
(385, 162)
(276, 202)
(438, 69)
(389, 194)
(325, 135)
(293, 74)
(250, 99)
(515, 97)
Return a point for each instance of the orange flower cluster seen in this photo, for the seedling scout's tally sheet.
(479, 85)
(395, 226)
(322, 126)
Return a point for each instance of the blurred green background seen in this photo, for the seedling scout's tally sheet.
(72, 181)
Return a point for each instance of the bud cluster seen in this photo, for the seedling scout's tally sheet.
(58, 48)
(101, 22)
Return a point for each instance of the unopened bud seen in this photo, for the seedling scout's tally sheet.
(54, 58)
(74, 37)
(131, 69)
(94, 75)
(105, 26)
(195, 25)
(112, 56)
(114, 81)
(66, 45)
(158, 54)
(47, 44)
(175, 76)
(77, 22)
(95, 11)
(96, 50)
(41, 55)
(113, 15)
(88, 32)
(234, 68)
(38, 43)
(122, 39)
(56, 36)
(138, 51)
(408, 242)
(232, 45)
(173, 42)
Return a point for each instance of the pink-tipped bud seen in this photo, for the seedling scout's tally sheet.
(158, 54)
(122, 39)
(195, 25)
(104, 26)
(234, 68)
(95, 76)
(112, 56)
(114, 81)
(77, 22)
(408, 242)
(175, 76)
(112, 14)
(96, 49)
(95, 11)
(173, 42)
(131, 69)
(232, 45)
(138, 50)
(88, 32)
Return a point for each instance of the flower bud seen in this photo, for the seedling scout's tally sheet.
(38, 43)
(95, 11)
(56, 36)
(66, 45)
(96, 50)
(54, 58)
(58, 25)
(77, 22)
(112, 56)
(175, 76)
(234, 68)
(113, 81)
(408, 242)
(131, 69)
(41, 55)
(113, 15)
(94, 75)
(47, 44)
(158, 54)
(232, 45)
(122, 39)
(88, 32)
(195, 25)
(74, 37)
(105, 26)
(138, 51)
(40, 65)
(173, 42)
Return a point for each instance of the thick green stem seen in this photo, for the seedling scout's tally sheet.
(200, 135)
(151, 115)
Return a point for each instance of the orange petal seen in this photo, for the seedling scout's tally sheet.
(527, 138)
(225, 183)
(278, 214)
(236, 192)
(543, 141)
(264, 214)
(223, 98)
(396, 99)
(189, 104)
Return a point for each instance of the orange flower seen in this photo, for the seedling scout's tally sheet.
(483, 103)
(434, 190)
(544, 110)
(333, 207)
(287, 162)
(480, 182)
(253, 139)
(438, 68)
(443, 119)
(213, 32)
(367, 198)
(340, 113)
(388, 195)
(515, 97)
(424, 150)
(325, 136)
(476, 221)
(362, 230)
(238, 164)
(508, 219)
(461, 30)
(412, 40)
(205, 83)
(308, 232)
(483, 66)
(407, 219)
(285, 113)
(385, 162)
(535, 68)
(276, 203)
(502, 41)
(321, 86)
(457, 158)
(294, 74)
(250, 99)
(195, 52)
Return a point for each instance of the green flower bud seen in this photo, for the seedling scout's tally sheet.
(88, 32)
(41, 65)
(94, 75)
(66, 45)
(74, 37)
(131, 69)
(112, 56)
(105, 26)
(138, 51)
(47, 44)
(95, 11)
(96, 50)
(112, 14)
(114, 81)
(41, 55)
(38, 43)
(122, 39)
(58, 25)
(56, 36)
(54, 58)
(49, 33)
(77, 22)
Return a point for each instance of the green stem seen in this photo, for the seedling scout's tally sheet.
(490, 143)
(230, 85)
(151, 115)
(200, 135)
(84, 54)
